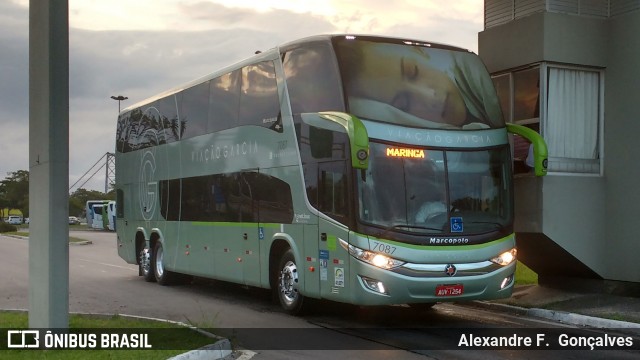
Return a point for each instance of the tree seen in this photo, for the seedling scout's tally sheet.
(14, 191)
(14, 194)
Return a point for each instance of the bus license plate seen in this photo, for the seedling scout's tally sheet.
(449, 290)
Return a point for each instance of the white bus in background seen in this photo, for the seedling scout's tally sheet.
(110, 220)
(98, 213)
(90, 211)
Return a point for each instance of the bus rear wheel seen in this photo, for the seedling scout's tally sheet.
(162, 275)
(145, 266)
(289, 295)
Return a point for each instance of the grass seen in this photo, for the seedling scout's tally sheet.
(183, 340)
(524, 275)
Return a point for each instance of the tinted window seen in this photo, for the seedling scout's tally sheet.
(170, 199)
(166, 123)
(195, 110)
(236, 197)
(323, 153)
(123, 131)
(333, 195)
(417, 85)
(224, 101)
(259, 104)
(312, 79)
(156, 124)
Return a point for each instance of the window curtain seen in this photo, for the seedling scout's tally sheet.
(571, 124)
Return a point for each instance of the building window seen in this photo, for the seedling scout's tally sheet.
(569, 117)
(572, 122)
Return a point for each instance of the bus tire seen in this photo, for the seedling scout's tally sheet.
(287, 288)
(145, 265)
(162, 275)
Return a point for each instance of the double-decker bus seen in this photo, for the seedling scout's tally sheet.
(357, 169)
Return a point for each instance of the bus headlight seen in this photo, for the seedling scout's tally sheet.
(505, 258)
(370, 257)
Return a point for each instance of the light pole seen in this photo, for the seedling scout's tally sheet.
(119, 98)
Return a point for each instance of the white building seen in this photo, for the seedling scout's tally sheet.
(572, 69)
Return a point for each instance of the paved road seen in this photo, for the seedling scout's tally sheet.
(100, 282)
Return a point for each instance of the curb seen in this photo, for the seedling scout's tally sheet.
(561, 316)
(219, 350)
(75, 243)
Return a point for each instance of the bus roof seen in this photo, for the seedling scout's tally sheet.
(375, 38)
(274, 52)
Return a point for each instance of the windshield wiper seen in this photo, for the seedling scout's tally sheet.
(400, 226)
(497, 224)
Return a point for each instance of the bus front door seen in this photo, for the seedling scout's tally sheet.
(333, 261)
(333, 200)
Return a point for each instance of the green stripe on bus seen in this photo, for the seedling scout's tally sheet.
(235, 224)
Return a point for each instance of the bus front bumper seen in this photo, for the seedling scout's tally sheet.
(375, 286)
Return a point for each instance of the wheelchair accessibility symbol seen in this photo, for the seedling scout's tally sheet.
(456, 224)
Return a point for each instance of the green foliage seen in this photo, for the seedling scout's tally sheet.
(14, 192)
(524, 275)
(5, 228)
(14, 196)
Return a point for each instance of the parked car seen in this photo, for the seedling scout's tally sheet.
(73, 220)
(14, 220)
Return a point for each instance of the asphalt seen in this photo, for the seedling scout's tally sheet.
(577, 308)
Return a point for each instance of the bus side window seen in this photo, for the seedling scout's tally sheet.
(312, 79)
(259, 104)
(333, 193)
(224, 101)
(194, 110)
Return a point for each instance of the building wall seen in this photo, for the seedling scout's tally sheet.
(591, 217)
(622, 148)
(545, 36)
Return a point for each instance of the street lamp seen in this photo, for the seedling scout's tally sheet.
(119, 98)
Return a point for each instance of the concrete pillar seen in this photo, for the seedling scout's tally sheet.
(48, 164)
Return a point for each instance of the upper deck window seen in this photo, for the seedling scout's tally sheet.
(312, 79)
(417, 85)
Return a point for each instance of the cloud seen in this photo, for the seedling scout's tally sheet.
(188, 39)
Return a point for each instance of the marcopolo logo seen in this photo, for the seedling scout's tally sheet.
(448, 241)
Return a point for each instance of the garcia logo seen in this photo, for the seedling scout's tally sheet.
(148, 191)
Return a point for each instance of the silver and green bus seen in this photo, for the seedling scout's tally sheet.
(357, 169)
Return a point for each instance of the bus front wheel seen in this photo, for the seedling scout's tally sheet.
(288, 284)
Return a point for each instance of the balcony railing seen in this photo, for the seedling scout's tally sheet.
(497, 12)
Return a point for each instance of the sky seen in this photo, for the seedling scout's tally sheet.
(143, 47)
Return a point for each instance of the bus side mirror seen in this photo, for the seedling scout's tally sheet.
(540, 153)
(326, 122)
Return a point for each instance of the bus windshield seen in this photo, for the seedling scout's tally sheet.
(426, 191)
(416, 84)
